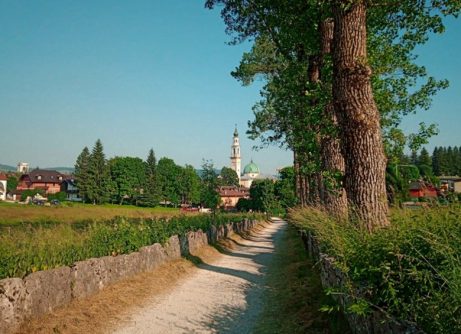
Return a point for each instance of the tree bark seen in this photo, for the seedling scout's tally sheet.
(358, 116)
(332, 161)
(298, 178)
(315, 180)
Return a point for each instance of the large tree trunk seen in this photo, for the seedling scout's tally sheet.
(335, 199)
(315, 180)
(358, 116)
(332, 160)
(298, 178)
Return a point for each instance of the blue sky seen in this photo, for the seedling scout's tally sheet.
(142, 74)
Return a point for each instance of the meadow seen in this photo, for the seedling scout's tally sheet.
(51, 237)
(13, 213)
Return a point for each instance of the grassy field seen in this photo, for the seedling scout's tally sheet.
(12, 213)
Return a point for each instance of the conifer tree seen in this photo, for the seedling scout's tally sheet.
(81, 173)
(151, 188)
(436, 161)
(424, 158)
(98, 175)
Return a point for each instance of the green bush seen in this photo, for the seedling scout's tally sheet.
(29, 247)
(411, 270)
(60, 196)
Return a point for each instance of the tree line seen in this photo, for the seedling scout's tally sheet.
(339, 76)
(130, 180)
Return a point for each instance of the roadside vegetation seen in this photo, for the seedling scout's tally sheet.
(26, 248)
(411, 269)
(296, 307)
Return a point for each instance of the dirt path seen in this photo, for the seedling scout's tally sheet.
(222, 296)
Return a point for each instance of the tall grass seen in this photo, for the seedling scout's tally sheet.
(412, 269)
(32, 247)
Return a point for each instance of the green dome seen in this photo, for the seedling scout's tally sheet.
(251, 168)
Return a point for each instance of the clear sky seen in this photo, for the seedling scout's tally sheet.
(142, 74)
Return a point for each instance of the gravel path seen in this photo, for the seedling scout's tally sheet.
(223, 296)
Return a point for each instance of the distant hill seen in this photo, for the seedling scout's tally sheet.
(6, 168)
(63, 170)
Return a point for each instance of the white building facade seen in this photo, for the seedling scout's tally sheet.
(250, 172)
(236, 161)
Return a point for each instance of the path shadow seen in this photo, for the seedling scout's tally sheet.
(247, 246)
(230, 319)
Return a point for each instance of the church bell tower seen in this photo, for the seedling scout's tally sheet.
(236, 161)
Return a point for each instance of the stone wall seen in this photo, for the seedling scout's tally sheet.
(43, 291)
(332, 277)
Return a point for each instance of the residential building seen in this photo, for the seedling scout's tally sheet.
(3, 188)
(230, 195)
(451, 183)
(47, 180)
(421, 189)
(69, 186)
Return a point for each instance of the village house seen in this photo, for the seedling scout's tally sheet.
(230, 195)
(421, 189)
(69, 186)
(450, 183)
(47, 180)
(3, 188)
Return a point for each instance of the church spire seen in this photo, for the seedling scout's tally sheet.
(236, 161)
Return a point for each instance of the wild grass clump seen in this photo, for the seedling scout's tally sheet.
(411, 270)
(26, 248)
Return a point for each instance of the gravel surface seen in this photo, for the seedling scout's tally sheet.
(222, 296)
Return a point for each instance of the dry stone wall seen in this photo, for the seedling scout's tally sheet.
(43, 291)
(332, 277)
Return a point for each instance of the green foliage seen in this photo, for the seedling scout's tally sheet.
(11, 183)
(244, 204)
(262, 195)
(82, 176)
(209, 196)
(28, 247)
(410, 270)
(60, 196)
(228, 177)
(99, 184)
(168, 176)
(446, 161)
(128, 176)
(190, 185)
(31, 193)
(151, 189)
(284, 188)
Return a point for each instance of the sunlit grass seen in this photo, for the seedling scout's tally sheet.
(411, 269)
(12, 213)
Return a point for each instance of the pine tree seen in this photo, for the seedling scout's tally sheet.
(414, 157)
(98, 175)
(424, 158)
(81, 173)
(436, 161)
(151, 188)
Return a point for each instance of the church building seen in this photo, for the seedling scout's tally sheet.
(251, 170)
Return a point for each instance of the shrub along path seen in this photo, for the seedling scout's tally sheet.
(258, 283)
